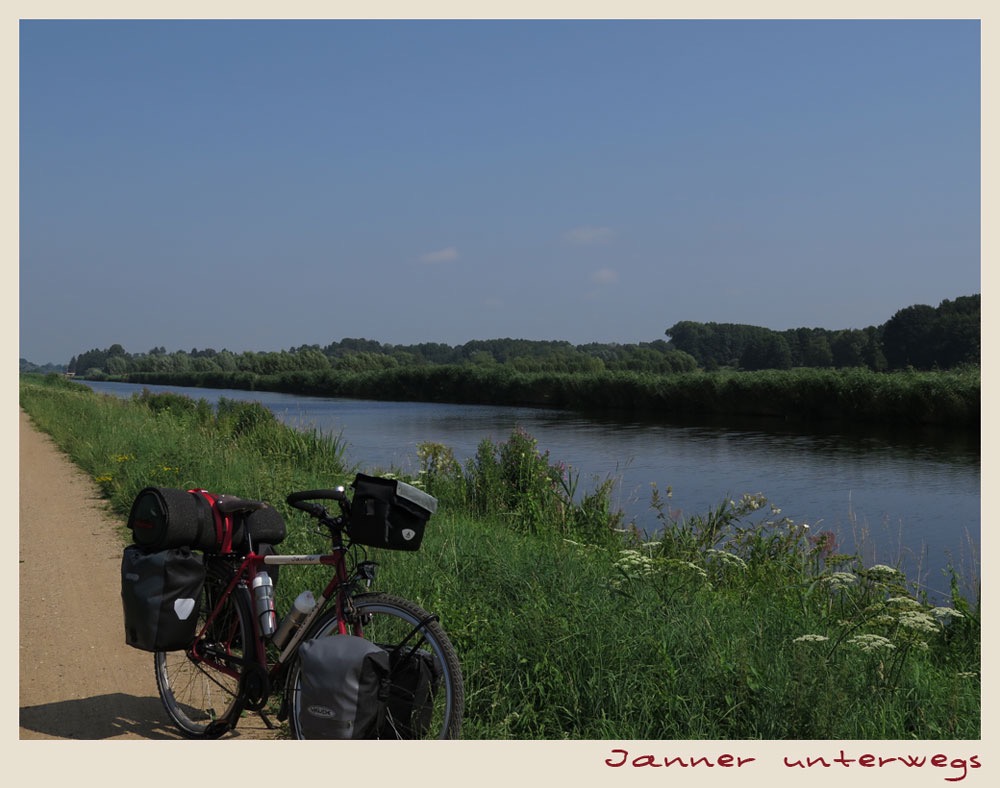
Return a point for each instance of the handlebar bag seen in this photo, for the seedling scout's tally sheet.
(163, 518)
(343, 684)
(388, 513)
(161, 594)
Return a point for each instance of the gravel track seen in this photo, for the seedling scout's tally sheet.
(78, 679)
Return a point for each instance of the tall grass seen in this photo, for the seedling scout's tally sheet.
(735, 624)
(949, 397)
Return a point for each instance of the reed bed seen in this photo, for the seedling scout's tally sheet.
(948, 397)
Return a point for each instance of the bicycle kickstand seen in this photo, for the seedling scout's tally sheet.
(266, 719)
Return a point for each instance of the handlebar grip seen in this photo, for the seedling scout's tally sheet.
(300, 500)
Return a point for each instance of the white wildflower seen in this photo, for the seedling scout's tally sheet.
(870, 643)
(678, 564)
(838, 579)
(945, 613)
(727, 558)
(750, 502)
(903, 601)
(918, 620)
(810, 639)
(634, 563)
(882, 569)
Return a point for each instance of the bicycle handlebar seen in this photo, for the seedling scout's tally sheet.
(302, 500)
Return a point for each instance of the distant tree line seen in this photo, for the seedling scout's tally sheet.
(918, 337)
(41, 369)
(365, 355)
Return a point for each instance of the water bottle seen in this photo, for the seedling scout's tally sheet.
(263, 596)
(304, 603)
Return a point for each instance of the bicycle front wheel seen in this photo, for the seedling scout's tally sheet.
(427, 696)
(202, 688)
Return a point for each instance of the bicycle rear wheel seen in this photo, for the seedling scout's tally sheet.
(204, 697)
(427, 696)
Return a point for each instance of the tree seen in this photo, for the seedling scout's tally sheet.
(226, 361)
(816, 351)
(872, 353)
(848, 348)
(959, 328)
(365, 362)
(117, 365)
(766, 351)
(311, 358)
(695, 339)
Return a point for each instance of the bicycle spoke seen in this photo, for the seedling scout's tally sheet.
(420, 705)
(199, 693)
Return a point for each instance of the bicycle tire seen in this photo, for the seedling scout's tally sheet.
(203, 701)
(387, 620)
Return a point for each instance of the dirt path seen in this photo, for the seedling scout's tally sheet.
(78, 679)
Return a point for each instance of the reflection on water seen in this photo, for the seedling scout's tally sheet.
(913, 494)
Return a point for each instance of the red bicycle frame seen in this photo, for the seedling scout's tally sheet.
(250, 566)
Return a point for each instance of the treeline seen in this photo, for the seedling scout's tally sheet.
(41, 369)
(365, 355)
(919, 337)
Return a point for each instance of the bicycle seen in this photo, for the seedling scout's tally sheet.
(232, 665)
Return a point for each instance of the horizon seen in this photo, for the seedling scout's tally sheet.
(322, 345)
(268, 184)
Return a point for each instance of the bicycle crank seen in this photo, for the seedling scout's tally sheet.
(256, 687)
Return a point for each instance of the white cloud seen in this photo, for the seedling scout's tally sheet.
(605, 276)
(440, 256)
(585, 236)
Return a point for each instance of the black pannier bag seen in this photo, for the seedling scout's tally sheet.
(413, 684)
(162, 517)
(343, 685)
(161, 596)
(388, 513)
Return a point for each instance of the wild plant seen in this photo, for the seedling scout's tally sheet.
(440, 473)
(519, 483)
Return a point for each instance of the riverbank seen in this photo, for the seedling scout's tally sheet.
(598, 638)
(946, 398)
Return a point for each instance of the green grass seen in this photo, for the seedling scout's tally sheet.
(856, 395)
(736, 624)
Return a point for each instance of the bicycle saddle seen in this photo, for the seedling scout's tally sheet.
(228, 504)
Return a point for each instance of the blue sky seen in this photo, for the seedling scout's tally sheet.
(263, 185)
